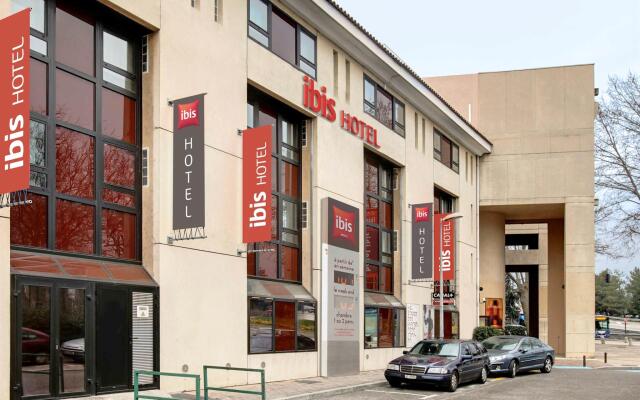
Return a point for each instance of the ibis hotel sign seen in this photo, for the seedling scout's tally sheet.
(256, 184)
(14, 102)
(446, 259)
(316, 100)
(422, 241)
(188, 162)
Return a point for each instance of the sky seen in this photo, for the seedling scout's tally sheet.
(438, 37)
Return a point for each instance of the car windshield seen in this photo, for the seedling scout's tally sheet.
(436, 349)
(497, 343)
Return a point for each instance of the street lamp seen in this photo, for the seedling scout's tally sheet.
(447, 218)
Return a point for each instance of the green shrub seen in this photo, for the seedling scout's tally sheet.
(517, 330)
(483, 332)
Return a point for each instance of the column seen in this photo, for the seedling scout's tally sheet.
(555, 286)
(543, 283)
(579, 278)
(492, 256)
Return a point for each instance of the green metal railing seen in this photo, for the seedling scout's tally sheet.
(262, 393)
(137, 373)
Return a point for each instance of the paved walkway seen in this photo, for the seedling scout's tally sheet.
(619, 355)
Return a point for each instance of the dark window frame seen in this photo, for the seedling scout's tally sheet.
(273, 324)
(396, 126)
(255, 100)
(439, 137)
(381, 166)
(403, 333)
(268, 34)
(123, 28)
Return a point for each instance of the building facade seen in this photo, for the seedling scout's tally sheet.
(97, 280)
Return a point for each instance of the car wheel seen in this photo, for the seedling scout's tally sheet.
(453, 382)
(513, 369)
(548, 364)
(394, 383)
(483, 375)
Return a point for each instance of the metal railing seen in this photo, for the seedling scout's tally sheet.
(262, 393)
(137, 373)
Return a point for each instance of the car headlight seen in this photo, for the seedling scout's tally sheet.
(393, 367)
(497, 358)
(437, 370)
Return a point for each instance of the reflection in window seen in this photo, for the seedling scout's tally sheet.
(37, 12)
(35, 338)
(285, 326)
(260, 326)
(38, 76)
(118, 116)
(118, 234)
(384, 327)
(74, 38)
(446, 151)
(74, 227)
(119, 166)
(74, 100)
(283, 36)
(118, 52)
(74, 163)
(37, 144)
(383, 106)
(306, 326)
(29, 222)
(370, 328)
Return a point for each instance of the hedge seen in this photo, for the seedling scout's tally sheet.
(483, 332)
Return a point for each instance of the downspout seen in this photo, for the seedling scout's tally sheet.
(477, 216)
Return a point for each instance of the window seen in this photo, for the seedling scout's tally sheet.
(281, 326)
(282, 258)
(91, 147)
(384, 107)
(278, 32)
(521, 241)
(378, 197)
(445, 151)
(384, 327)
(443, 203)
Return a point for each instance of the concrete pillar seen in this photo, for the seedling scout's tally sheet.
(579, 278)
(555, 286)
(543, 283)
(492, 256)
(5, 306)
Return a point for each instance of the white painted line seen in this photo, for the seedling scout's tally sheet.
(422, 396)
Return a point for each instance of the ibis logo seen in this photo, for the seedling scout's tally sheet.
(188, 114)
(422, 214)
(344, 224)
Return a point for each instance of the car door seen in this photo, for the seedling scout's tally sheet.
(527, 354)
(467, 369)
(540, 352)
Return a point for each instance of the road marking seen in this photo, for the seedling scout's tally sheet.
(422, 396)
(570, 367)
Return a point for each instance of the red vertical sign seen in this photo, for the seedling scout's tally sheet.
(256, 184)
(14, 102)
(444, 231)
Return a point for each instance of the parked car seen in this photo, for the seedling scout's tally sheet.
(510, 354)
(35, 346)
(74, 348)
(445, 363)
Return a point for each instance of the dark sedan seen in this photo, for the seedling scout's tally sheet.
(441, 362)
(510, 354)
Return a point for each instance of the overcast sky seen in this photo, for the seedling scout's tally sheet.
(467, 36)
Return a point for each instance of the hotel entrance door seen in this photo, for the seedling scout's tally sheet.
(52, 343)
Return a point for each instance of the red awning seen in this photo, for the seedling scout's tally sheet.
(41, 264)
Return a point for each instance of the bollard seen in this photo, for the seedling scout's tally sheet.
(584, 361)
(605, 357)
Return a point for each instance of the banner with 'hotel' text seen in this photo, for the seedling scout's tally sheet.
(256, 184)
(14, 102)
(188, 162)
(445, 232)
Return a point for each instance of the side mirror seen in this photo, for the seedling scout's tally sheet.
(523, 351)
(405, 352)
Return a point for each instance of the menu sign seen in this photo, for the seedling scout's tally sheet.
(413, 324)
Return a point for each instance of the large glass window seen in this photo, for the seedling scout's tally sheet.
(378, 239)
(278, 32)
(445, 151)
(281, 326)
(384, 327)
(383, 106)
(84, 134)
(281, 257)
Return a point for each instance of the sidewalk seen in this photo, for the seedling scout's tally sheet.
(619, 355)
(298, 389)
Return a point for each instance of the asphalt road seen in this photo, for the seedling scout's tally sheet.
(562, 384)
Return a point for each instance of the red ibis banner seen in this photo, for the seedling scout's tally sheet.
(445, 232)
(256, 184)
(14, 102)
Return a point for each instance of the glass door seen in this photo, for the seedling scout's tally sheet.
(49, 335)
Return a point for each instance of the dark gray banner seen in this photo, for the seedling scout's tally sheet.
(422, 241)
(188, 162)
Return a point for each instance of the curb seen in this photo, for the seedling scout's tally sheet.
(323, 394)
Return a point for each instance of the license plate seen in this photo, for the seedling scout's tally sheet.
(410, 377)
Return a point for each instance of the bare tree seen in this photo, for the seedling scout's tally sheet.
(617, 157)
